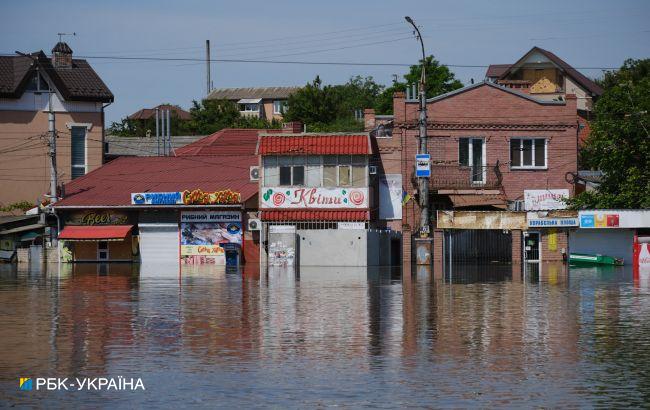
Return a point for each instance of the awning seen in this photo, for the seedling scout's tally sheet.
(249, 101)
(29, 236)
(95, 233)
(315, 215)
(463, 201)
(22, 229)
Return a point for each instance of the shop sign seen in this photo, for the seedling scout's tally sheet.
(282, 229)
(352, 225)
(545, 199)
(206, 216)
(157, 198)
(92, 218)
(535, 221)
(187, 197)
(615, 219)
(423, 165)
(204, 233)
(318, 198)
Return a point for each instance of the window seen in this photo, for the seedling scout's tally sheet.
(313, 171)
(528, 153)
(471, 153)
(292, 171)
(329, 170)
(78, 154)
(359, 171)
(279, 106)
(37, 83)
(345, 170)
(271, 171)
(249, 107)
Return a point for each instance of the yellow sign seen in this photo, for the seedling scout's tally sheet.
(552, 240)
(204, 250)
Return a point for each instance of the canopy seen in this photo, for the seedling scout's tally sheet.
(95, 233)
(249, 101)
(315, 215)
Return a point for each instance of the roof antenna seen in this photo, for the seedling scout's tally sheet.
(65, 34)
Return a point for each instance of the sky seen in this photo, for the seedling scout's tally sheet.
(591, 34)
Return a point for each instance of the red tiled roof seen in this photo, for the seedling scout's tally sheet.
(148, 113)
(113, 183)
(229, 141)
(314, 215)
(95, 232)
(314, 144)
(497, 70)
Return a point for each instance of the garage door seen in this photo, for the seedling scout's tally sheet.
(159, 244)
(611, 242)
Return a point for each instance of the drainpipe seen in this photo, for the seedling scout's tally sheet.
(104, 131)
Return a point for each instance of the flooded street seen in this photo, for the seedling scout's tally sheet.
(347, 337)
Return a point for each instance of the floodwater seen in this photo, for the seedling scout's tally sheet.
(327, 337)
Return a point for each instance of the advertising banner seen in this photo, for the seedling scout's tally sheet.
(537, 221)
(157, 198)
(205, 233)
(98, 217)
(390, 196)
(545, 199)
(317, 198)
(615, 219)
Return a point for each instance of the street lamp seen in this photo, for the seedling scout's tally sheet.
(423, 182)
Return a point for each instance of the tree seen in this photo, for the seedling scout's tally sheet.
(210, 116)
(439, 80)
(332, 107)
(619, 142)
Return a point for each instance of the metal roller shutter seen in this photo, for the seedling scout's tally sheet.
(159, 243)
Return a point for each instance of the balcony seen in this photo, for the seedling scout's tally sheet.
(454, 176)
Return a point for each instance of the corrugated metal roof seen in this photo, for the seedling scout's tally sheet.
(315, 215)
(229, 141)
(497, 70)
(113, 183)
(252, 92)
(315, 144)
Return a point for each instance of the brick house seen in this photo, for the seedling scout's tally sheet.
(79, 98)
(488, 144)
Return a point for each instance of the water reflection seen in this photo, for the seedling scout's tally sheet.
(498, 335)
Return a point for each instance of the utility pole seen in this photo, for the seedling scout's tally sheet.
(423, 182)
(169, 133)
(52, 131)
(207, 66)
(51, 122)
(157, 131)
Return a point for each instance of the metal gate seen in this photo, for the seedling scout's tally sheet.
(472, 255)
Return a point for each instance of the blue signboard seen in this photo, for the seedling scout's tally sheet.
(157, 198)
(423, 165)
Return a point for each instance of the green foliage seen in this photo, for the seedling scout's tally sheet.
(332, 107)
(208, 117)
(17, 206)
(619, 142)
(439, 80)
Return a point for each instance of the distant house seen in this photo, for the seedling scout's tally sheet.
(547, 77)
(78, 98)
(150, 113)
(263, 102)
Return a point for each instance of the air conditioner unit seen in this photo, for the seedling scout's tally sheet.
(517, 205)
(255, 173)
(254, 224)
(373, 169)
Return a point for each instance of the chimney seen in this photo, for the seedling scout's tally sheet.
(369, 119)
(293, 127)
(62, 55)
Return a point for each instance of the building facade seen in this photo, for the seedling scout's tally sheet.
(492, 149)
(29, 86)
(262, 102)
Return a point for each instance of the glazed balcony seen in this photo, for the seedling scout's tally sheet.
(454, 176)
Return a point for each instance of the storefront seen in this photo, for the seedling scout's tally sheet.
(609, 232)
(98, 235)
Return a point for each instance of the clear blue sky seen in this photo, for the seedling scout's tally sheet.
(591, 33)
